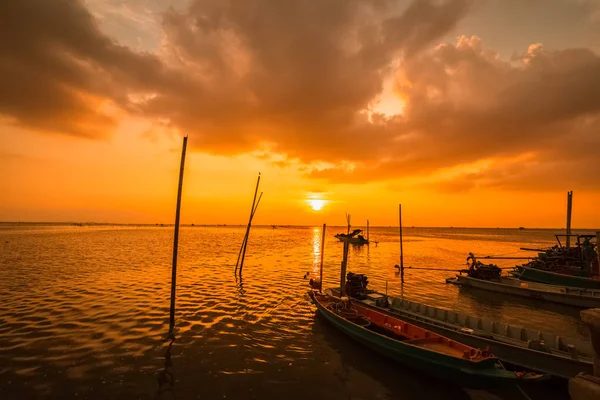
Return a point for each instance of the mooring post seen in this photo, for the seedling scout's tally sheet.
(176, 239)
(569, 209)
(322, 253)
(343, 270)
(401, 253)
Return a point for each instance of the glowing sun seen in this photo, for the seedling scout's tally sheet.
(316, 204)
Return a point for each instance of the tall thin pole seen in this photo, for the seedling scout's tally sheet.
(322, 253)
(569, 208)
(245, 241)
(401, 253)
(343, 271)
(248, 234)
(176, 238)
(367, 230)
(348, 222)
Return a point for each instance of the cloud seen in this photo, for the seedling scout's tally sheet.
(59, 73)
(465, 104)
(301, 78)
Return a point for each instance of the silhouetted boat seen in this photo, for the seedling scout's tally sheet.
(555, 278)
(575, 266)
(416, 347)
(576, 297)
(353, 237)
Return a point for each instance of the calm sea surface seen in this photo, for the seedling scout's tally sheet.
(84, 310)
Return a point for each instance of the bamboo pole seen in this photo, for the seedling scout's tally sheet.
(176, 239)
(569, 209)
(248, 234)
(245, 240)
(348, 223)
(401, 252)
(322, 253)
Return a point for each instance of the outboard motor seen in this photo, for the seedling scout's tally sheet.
(356, 285)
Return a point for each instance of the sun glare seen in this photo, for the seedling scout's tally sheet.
(316, 205)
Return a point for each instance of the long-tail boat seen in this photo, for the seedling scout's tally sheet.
(416, 347)
(530, 349)
(574, 266)
(530, 274)
(488, 277)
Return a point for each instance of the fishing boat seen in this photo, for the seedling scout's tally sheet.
(353, 237)
(570, 279)
(576, 297)
(416, 347)
(488, 277)
(575, 266)
(531, 349)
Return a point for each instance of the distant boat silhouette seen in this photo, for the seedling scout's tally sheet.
(521, 228)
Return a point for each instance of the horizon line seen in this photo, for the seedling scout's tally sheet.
(272, 225)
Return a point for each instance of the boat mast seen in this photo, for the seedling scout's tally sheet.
(176, 240)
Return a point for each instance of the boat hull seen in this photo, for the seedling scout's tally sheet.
(462, 372)
(511, 344)
(351, 240)
(552, 278)
(581, 298)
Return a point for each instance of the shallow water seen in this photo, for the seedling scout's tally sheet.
(84, 310)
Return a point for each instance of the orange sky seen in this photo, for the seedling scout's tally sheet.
(428, 104)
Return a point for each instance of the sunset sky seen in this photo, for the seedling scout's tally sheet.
(469, 113)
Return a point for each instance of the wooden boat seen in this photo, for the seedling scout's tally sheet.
(554, 278)
(353, 237)
(416, 347)
(531, 349)
(583, 298)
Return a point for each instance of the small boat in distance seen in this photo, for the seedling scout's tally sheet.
(353, 237)
(416, 347)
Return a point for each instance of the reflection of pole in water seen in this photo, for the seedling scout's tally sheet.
(176, 240)
(165, 379)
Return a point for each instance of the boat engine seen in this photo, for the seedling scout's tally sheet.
(356, 285)
(479, 270)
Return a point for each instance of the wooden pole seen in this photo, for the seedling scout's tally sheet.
(367, 230)
(401, 253)
(322, 253)
(348, 222)
(245, 241)
(176, 239)
(569, 209)
(343, 271)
